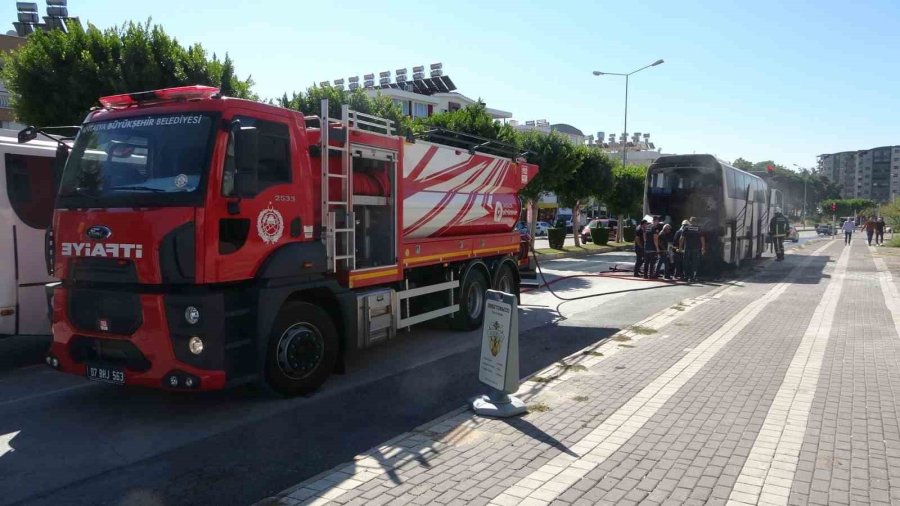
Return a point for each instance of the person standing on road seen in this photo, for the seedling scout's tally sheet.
(870, 229)
(693, 244)
(639, 248)
(651, 247)
(678, 253)
(847, 227)
(664, 240)
(778, 228)
(879, 231)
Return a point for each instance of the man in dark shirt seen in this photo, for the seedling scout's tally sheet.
(879, 231)
(664, 242)
(639, 247)
(651, 247)
(678, 253)
(693, 243)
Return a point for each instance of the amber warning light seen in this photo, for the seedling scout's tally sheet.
(155, 96)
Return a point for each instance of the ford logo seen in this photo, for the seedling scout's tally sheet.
(98, 232)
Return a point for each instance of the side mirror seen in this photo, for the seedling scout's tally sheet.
(29, 133)
(246, 158)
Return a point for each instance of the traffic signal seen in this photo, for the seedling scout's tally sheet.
(770, 169)
(834, 207)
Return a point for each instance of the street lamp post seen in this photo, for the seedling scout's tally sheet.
(805, 179)
(626, 76)
(620, 233)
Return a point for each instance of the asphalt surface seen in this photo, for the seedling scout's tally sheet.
(64, 440)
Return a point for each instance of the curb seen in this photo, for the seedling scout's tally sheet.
(574, 254)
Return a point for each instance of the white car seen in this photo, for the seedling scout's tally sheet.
(541, 228)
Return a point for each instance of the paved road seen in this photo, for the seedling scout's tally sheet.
(64, 440)
(782, 388)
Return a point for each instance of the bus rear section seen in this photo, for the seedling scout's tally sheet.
(679, 187)
(27, 192)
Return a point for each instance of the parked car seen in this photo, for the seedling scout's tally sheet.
(540, 228)
(603, 222)
(792, 234)
(824, 229)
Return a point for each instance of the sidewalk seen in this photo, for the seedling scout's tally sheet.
(782, 388)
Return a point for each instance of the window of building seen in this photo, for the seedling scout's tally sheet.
(420, 110)
(274, 155)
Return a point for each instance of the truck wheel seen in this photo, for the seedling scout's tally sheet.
(302, 351)
(471, 301)
(505, 280)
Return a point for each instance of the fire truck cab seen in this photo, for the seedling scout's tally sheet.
(204, 241)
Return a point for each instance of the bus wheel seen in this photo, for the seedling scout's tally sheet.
(471, 301)
(505, 280)
(302, 350)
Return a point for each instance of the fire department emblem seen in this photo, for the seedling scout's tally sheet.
(270, 225)
(498, 212)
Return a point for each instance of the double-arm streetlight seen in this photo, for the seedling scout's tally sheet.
(626, 76)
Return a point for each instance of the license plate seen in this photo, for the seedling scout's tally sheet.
(105, 374)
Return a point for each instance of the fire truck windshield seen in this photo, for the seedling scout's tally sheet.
(154, 160)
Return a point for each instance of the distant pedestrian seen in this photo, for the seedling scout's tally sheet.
(870, 229)
(847, 227)
(879, 231)
(651, 247)
(664, 264)
(639, 247)
(693, 243)
(678, 253)
(778, 229)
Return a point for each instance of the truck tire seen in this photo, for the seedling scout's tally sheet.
(471, 301)
(302, 350)
(505, 280)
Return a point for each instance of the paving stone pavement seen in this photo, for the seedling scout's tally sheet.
(780, 389)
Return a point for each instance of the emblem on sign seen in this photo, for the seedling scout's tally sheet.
(495, 335)
(270, 225)
(498, 212)
(181, 180)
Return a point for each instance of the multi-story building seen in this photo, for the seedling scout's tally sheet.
(867, 174)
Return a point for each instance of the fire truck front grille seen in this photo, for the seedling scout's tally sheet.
(105, 311)
(115, 352)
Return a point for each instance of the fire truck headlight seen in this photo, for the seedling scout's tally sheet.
(189, 382)
(173, 381)
(196, 345)
(191, 315)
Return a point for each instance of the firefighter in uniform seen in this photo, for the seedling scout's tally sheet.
(778, 228)
(693, 245)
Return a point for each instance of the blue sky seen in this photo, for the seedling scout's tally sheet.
(760, 80)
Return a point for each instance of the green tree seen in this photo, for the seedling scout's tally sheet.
(850, 207)
(56, 76)
(591, 178)
(310, 103)
(626, 194)
(742, 164)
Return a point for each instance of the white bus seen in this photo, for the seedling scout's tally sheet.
(27, 193)
(734, 207)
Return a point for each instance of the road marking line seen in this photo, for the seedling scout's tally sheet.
(45, 394)
(890, 292)
(783, 430)
(566, 470)
(5, 440)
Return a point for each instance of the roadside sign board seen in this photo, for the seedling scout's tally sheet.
(499, 366)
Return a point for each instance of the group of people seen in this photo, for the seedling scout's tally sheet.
(872, 226)
(660, 253)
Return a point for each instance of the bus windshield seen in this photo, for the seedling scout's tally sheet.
(148, 160)
(677, 193)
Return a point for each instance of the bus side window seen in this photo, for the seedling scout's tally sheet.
(31, 188)
(730, 182)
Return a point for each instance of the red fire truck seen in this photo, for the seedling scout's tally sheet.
(204, 241)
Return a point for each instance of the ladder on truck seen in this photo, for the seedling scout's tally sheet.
(337, 214)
